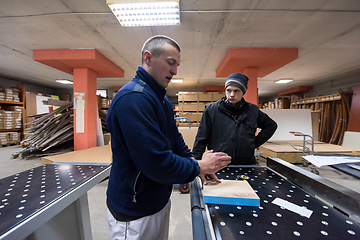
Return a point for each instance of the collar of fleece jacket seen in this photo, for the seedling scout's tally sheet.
(154, 85)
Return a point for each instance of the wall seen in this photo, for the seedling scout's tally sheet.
(35, 88)
(29, 87)
(330, 86)
(333, 86)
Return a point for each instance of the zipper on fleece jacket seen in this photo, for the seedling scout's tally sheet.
(134, 188)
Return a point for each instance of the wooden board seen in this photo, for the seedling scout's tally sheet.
(101, 154)
(230, 192)
(295, 142)
(288, 153)
(189, 135)
(297, 120)
(352, 139)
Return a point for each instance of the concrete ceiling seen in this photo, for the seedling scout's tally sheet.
(326, 33)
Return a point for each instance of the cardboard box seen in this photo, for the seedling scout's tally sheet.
(190, 97)
(217, 96)
(205, 97)
(188, 107)
(193, 116)
(202, 106)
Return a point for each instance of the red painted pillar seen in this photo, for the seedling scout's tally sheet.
(252, 91)
(86, 106)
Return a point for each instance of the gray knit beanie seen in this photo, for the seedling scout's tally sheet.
(238, 80)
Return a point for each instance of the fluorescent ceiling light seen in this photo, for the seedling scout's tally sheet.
(137, 13)
(178, 80)
(64, 81)
(284, 81)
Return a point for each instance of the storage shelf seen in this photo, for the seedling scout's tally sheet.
(22, 95)
(12, 103)
(192, 106)
(326, 98)
(11, 130)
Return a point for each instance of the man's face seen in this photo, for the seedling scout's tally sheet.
(233, 94)
(164, 67)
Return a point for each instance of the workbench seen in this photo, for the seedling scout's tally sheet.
(335, 216)
(49, 202)
(285, 150)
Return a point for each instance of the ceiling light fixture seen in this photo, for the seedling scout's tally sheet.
(64, 81)
(138, 13)
(283, 81)
(177, 80)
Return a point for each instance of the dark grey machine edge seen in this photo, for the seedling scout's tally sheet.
(345, 200)
(342, 198)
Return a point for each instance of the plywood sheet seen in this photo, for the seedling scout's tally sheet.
(352, 140)
(189, 135)
(297, 120)
(288, 153)
(101, 154)
(295, 142)
(231, 192)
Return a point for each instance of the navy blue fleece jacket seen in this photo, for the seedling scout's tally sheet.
(149, 153)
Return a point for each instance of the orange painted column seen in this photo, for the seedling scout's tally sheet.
(85, 108)
(252, 90)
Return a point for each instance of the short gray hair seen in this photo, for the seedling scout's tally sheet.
(155, 45)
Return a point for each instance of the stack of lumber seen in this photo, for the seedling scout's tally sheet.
(102, 116)
(334, 119)
(48, 131)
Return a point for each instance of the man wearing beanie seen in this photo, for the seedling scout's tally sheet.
(229, 125)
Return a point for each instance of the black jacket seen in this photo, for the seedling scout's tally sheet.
(228, 129)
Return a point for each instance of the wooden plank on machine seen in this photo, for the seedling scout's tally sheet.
(230, 192)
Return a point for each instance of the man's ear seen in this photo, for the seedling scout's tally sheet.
(147, 58)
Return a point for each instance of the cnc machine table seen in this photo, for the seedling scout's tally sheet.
(48, 202)
(269, 221)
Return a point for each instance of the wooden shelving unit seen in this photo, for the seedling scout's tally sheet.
(278, 103)
(192, 105)
(5, 104)
(312, 103)
(332, 111)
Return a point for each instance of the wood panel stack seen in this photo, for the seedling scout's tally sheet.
(9, 138)
(192, 105)
(334, 114)
(12, 114)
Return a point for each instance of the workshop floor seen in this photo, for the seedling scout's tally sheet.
(180, 222)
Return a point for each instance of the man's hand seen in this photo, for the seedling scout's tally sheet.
(211, 163)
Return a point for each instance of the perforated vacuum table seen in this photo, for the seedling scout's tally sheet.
(49, 200)
(270, 221)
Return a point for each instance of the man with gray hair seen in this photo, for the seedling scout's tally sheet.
(149, 153)
(229, 125)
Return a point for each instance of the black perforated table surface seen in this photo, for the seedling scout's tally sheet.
(25, 194)
(270, 221)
